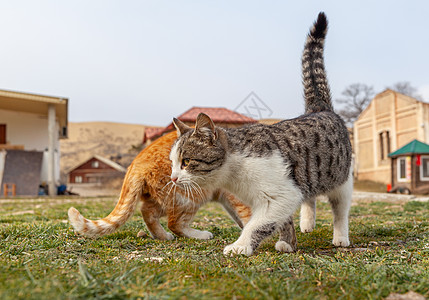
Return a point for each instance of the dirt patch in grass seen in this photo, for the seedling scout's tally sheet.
(369, 186)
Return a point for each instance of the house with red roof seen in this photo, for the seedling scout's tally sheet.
(221, 116)
(96, 169)
(151, 133)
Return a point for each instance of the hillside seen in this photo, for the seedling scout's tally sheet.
(111, 140)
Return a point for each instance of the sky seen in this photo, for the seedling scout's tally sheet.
(145, 62)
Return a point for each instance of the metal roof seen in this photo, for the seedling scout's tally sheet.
(413, 147)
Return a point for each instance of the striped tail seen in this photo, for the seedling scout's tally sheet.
(124, 209)
(316, 89)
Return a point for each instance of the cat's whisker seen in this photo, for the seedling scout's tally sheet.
(188, 189)
(174, 196)
(191, 189)
(197, 189)
(188, 193)
(166, 185)
(199, 177)
(191, 194)
(174, 199)
(172, 186)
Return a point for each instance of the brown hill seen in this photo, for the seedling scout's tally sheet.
(111, 140)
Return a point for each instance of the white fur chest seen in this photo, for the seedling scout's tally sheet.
(257, 178)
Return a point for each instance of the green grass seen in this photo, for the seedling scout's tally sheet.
(42, 258)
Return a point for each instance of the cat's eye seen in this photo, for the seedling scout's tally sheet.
(185, 162)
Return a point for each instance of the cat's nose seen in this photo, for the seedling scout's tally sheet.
(174, 179)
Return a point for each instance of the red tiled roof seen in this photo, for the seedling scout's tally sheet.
(151, 132)
(217, 114)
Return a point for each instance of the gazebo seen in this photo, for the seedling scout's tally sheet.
(410, 168)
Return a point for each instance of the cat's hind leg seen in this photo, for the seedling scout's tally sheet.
(287, 237)
(238, 211)
(152, 212)
(340, 200)
(308, 215)
(268, 214)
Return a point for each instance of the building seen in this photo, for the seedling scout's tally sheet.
(151, 133)
(390, 121)
(97, 170)
(30, 129)
(410, 168)
(221, 116)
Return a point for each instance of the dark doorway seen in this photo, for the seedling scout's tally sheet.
(2, 133)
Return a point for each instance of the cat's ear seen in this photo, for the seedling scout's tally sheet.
(205, 125)
(181, 127)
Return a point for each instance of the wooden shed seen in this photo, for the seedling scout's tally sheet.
(410, 168)
(97, 169)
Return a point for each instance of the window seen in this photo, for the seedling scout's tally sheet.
(402, 169)
(384, 139)
(388, 142)
(78, 179)
(95, 164)
(424, 168)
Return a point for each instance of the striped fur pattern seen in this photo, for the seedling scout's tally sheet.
(316, 89)
(276, 168)
(147, 180)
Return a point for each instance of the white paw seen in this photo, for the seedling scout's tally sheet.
(282, 246)
(169, 236)
(202, 235)
(342, 241)
(307, 225)
(234, 249)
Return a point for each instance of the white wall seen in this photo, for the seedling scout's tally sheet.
(31, 131)
(44, 172)
(2, 161)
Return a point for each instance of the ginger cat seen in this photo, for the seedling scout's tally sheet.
(148, 180)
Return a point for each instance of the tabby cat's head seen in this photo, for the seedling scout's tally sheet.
(198, 154)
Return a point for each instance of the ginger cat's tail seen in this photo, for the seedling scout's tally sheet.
(124, 209)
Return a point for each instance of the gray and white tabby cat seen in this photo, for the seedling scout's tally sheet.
(276, 168)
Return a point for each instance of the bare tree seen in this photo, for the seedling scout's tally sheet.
(356, 98)
(404, 87)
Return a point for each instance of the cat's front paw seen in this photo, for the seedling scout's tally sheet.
(198, 234)
(204, 235)
(169, 236)
(234, 249)
(282, 246)
(341, 241)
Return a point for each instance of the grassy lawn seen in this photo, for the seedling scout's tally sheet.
(42, 258)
